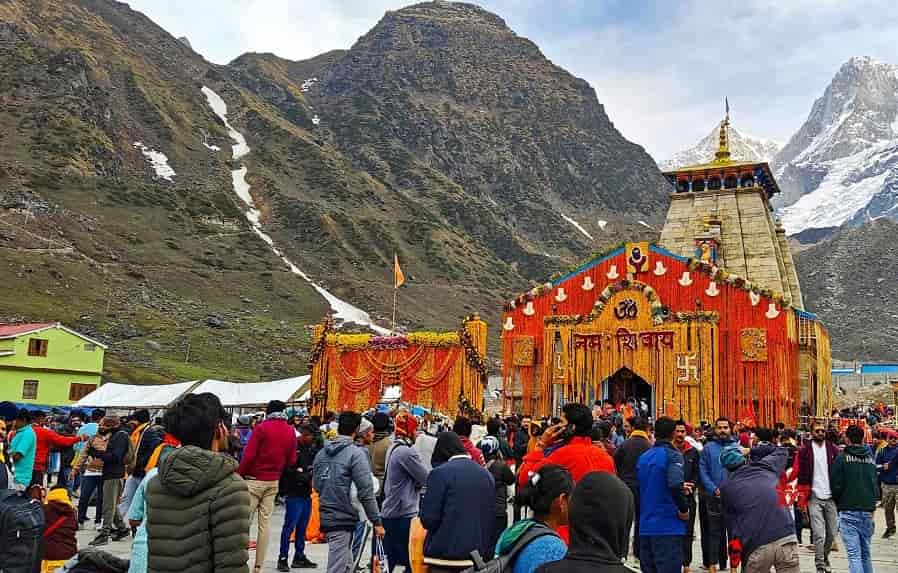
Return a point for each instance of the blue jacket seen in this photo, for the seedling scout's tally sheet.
(710, 471)
(888, 455)
(753, 510)
(660, 475)
(457, 510)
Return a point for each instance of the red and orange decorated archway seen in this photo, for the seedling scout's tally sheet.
(438, 370)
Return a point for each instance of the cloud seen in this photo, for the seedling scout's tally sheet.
(660, 68)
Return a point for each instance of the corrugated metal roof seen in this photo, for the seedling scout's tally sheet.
(9, 329)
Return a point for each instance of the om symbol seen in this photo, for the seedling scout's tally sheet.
(626, 309)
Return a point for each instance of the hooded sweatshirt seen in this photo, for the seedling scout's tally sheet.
(753, 508)
(337, 466)
(405, 476)
(852, 479)
(197, 515)
(600, 514)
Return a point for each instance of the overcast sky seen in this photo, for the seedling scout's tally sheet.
(660, 67)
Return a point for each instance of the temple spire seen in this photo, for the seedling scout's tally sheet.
(723, 148)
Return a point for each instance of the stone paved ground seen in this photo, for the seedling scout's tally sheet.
(885, 553)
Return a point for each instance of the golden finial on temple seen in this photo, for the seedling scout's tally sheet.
(723, 149)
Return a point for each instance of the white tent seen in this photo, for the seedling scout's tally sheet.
(235, 394)
(133, 396)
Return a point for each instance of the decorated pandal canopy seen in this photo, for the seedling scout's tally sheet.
(442, 371)
(686, 336)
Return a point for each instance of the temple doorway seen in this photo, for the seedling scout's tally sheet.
(625, 384)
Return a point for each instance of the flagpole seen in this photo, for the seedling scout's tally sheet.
(395, 293)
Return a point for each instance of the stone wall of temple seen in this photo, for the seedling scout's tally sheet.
(750, 243)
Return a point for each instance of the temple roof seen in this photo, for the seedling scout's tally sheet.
(723, 165)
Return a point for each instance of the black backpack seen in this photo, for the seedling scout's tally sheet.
(505, 563)
(21, 533)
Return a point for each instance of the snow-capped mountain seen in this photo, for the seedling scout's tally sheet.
(743, 147)
(841, 167)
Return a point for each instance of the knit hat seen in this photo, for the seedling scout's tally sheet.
(365, 427)
(731, 457)
(110, 422)
(489, 446)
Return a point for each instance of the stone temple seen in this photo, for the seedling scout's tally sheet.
(708, 322)
(721, 211)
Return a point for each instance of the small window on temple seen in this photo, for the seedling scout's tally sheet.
(682, 186)
(714, 183)
(90, 347)
(37, 347)
(730, 182)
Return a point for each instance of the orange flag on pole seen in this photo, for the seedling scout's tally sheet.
(398, 277)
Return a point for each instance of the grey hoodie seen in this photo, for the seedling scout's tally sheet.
(339, 465)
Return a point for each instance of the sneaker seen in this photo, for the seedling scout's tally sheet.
(99, 540)
(282, 564)
(888, 533)
(98, 525)
(303, 563)
(121, 534)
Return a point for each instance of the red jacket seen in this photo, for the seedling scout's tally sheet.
(578, 456)
(270, 449)
(472, 450)
(48, 438)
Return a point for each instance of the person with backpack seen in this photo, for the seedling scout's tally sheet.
(115, 457)
(338, 467)
(503, 477)
(534, 541)
(144, 438)
(60, 526)
(600, 513)
(404, 476)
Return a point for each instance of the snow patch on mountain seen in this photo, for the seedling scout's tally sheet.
(848, 187)
(743, 147)
(158, 161)
(577, 225)
(343, 311)
(841, 166)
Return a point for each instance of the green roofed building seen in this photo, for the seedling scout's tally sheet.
(47, 363)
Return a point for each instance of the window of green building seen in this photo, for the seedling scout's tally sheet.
(29, 390)
(37, 347)
(78, 390)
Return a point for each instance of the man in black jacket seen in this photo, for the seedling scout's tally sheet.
(145, 436)
(690, 479)
(113, 472)
(297, 487)
(625, 459)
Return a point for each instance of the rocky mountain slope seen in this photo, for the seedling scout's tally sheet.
(743, 147)
(841, 167)
(849, 281)
(441, 136)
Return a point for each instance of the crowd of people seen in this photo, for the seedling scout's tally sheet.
(598, 488)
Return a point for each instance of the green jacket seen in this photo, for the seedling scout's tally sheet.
(852, 479)
(197, 515)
